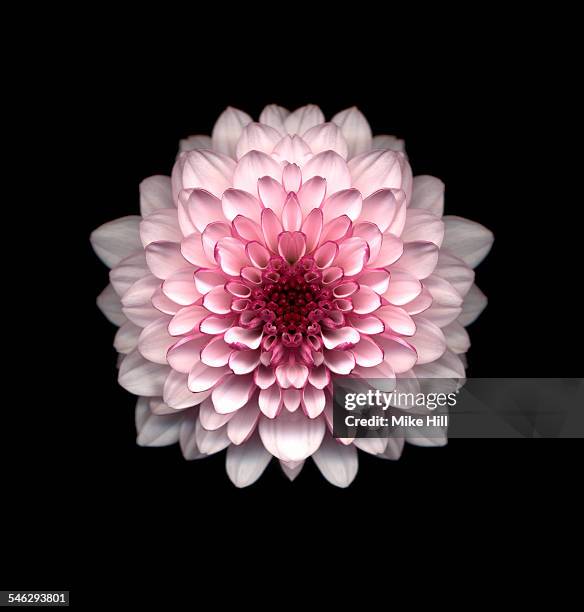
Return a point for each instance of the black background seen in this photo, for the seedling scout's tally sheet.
(486, 126)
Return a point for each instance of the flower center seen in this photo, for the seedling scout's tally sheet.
(291, 300)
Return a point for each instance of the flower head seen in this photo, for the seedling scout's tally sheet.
(279, 255)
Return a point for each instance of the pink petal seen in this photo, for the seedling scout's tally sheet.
(330, 275)
(292, 150)
(378, 280)
(216, 324)
(155, 195)
(137, 301)
(302, 119)
(422, 225)
(233, 393)
(326, 254)
(208, 170)
(403, 287)
(115, 240)
(205, 280)
(243, 422)
(313, 401)
(319, 377)
(243, 362)
(244, 338)
(292, 246)
(447, 366)
(210, 442)
(228, 130)
(367, 324)
(216, 353)
(399, 220)
(291, 436)
(258, 254)
(246, 463)
(331, 167)
(419, 258)
(390, 251)
(218, 301)
(163, 303)
(264, 377)
(272, 194)
(428, 341)
(247, 230)
(198, 210)
(291, 214)
(454, 270)
(155, 341)
(468, 240)
(238, 289)
(446, 301)
(193, 251)
(352, 256)
(345, 289)
(396, 320)
(183, 355)
(292, 375)
(203, 377)
(420, 303)
(385, 141)
(165, 259)
(270, 401)
(475, 302)
(140, 376)
(253, 166)
(457, 338)
(291, 399)
(292, 178)
(196, 141)
(274, 116)
(372, 236)
(312, 228)
(211, 236)
(271, 228)
(342, 337)
(339, 362)
(336, 229)
(367, 353)
(176, 393)
(365, 301)
(311, 194)
(374, 446)
(337, 463)
(326, 137)
(383, 373)
(210, 419)
(428, 194)
(109, 304)
(380, 208)
(161, 225)
(236, 202)
(355, 130)
(187, 439)
(230, 254)
(397, 352)
(376, 170)
(257, 137)
(346, 202)
(155, 430)
(127, 336)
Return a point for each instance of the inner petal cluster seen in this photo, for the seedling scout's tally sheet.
(291, 300)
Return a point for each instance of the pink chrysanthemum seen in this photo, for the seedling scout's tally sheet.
(280, 255)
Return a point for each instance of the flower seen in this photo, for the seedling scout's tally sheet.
(280, 255)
